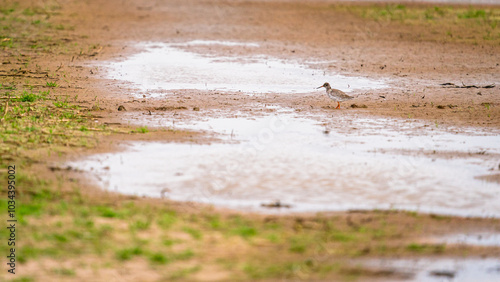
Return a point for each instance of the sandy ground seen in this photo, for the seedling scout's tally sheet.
(285, 29)
(412, 60)
(298, 31)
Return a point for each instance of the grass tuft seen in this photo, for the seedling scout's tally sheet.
(159, 258)
(128, 253)
(195, 233)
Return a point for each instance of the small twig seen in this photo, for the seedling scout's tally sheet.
(452, 85)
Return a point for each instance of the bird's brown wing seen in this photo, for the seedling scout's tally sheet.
(341, 94)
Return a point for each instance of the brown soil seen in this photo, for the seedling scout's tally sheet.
(293, 30)
(414, 61)
(312, 31)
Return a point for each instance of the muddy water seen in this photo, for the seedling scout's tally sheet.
(310, 162)
(163, 68)
(476, 239)
(313, 163)
(425, 269)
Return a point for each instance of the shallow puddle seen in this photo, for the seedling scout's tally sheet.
(164, 67)
(425, 269)
(476, 239)
(305, 162)
(312, 164)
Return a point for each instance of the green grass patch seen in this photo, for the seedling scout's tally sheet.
(27, 252)
(414, 247)
(128, 253)
(472, 14)
(106, 211)
(56, 123)
(167, 219)
(184, 255)
(99, 228)
(298, 247)
(341, 237)
(60, 238)
(245, 231)
(29, 120)
(242, 227)
(169, 242)
(274, 238)
(59, 104)
(183, 273)
(215, 222)
(440, 23)
(30, 97)
(7, 10)
(195, 233)
(140, 224)
(159, 258)
(51, 84)
(24, 279)
(142, 129)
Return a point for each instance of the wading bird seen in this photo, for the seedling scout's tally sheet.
(335, 94)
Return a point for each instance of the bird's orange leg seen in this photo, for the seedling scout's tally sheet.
(338, 105)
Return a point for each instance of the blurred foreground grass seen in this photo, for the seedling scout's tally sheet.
(82, 230)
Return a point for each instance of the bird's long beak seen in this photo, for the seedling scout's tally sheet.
(319, 87)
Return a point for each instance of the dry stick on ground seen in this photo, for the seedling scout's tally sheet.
(452, 85)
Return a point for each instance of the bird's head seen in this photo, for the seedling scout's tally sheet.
(326, 85)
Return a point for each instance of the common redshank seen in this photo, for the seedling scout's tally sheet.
(335, 94)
